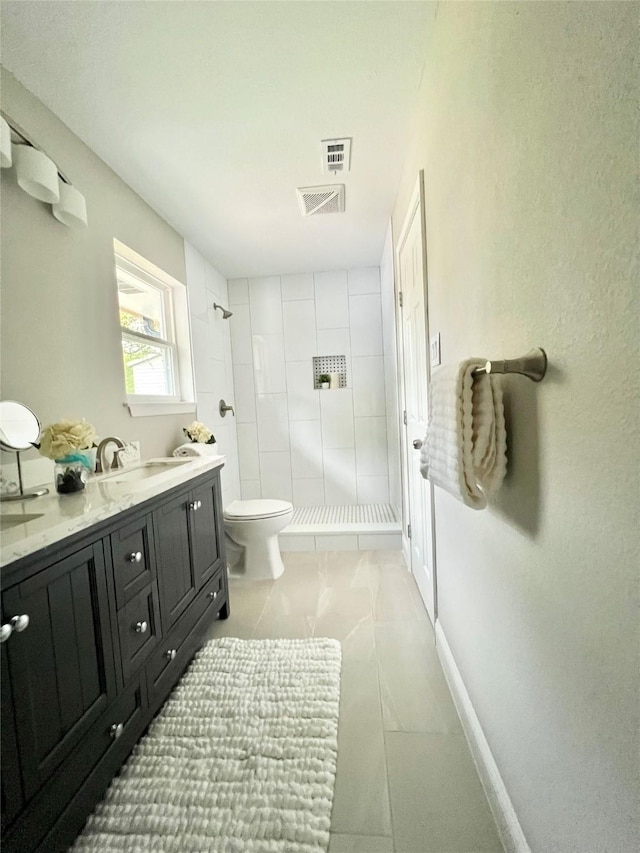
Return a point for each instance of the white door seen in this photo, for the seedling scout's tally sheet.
(418, 492)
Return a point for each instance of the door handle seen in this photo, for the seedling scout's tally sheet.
(417, 443)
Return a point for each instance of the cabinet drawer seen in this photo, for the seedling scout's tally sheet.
(175, 650)
(132, 563)
(139, 627)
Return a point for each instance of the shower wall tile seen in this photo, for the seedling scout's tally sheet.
(245, 393)
(364, 280)
(334, 342)
(194, 267)
(340, 486)
(250, 490)
(299, 318)
(306, 449)
(365, 323)
(297, 286)
(308, 492)
(373, 490)
(248, 451)
(266, 305)
(268, 364)
(371, 446)
(336, 409)
(304, 399)
(275, 476)
(238, 291)
(368, 386)
(332, 303)
(273, 422)
(241, 335)
(212, 360)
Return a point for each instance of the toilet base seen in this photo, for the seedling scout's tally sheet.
(261, 561)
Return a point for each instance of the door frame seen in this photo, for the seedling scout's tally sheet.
(416, 204)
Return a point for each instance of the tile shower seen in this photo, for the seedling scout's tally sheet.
(294, 441)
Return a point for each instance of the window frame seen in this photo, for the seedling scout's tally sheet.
(177, 330)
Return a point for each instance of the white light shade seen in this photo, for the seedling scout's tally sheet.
(5, 144)
(36, 173)
(71, 210)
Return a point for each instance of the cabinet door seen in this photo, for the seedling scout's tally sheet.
(206, 531)
(132, 557)
(176, 577)
(11, 787)
(61, 666)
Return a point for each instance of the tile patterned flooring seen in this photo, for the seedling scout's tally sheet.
(405, 782)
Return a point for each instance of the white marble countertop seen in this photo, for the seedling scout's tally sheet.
(59, 516)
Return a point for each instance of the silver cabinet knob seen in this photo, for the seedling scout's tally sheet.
(6, 631)
(116, 730)
(135, 557)
(195, 505)
(417, 443)
(199, 504)
(141, 627)
(213, 595)
(19, 623)
(170, 654)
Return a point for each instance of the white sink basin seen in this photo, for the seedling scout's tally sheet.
(144, 470)
(9, 520)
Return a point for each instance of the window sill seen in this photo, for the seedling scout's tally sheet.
(142, 410)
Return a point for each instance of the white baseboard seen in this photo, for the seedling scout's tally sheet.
(511, 833)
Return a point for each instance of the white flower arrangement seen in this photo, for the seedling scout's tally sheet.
(65, 438)
(199, 433)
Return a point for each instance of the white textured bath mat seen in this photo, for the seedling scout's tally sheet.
(241, 759)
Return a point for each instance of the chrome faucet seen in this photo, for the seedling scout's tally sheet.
(101, 462)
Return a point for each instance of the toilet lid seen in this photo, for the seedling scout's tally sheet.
(246, 510)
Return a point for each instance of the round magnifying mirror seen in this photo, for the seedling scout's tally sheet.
(19, 427)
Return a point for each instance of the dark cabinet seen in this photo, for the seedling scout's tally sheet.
(188, 534)
(94, 637)
(61, 665)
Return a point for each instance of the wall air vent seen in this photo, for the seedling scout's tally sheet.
(315, 200)
(336, 155)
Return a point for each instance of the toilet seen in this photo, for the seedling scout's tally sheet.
(252, 528)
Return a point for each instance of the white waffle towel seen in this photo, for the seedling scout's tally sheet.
(194, 448)
(465, 449)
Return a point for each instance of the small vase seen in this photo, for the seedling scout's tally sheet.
(72, 472)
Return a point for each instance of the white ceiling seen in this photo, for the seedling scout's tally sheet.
(214, 111)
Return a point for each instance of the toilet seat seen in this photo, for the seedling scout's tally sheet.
(252, 510)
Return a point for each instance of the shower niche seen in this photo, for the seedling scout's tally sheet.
(333, 366)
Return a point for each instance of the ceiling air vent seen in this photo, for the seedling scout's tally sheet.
(336, 155)
(315, 200)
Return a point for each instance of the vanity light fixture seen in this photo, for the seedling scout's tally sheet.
(5, 144)
(39, 176)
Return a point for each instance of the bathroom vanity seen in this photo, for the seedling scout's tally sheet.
(106, 595)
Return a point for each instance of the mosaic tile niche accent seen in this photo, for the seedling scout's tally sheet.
(330, 364)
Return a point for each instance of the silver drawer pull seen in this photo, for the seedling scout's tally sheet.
(213, 596)
(19, 623)
(170, 654)
(6, 631)
(116, 730)
(135, 557)
(140, 627)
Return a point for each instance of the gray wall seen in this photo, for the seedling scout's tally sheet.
(527, 134)
(60, 350)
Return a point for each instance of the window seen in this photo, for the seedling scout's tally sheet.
(154, 327)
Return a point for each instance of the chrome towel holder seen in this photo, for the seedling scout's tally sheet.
(533, 365)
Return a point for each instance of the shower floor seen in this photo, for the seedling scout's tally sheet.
(363, 527)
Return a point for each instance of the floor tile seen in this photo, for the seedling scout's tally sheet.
(437, 801)
(360, 844)
(414, 692)
(391, 593)
(342, 609)
(347, 568)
